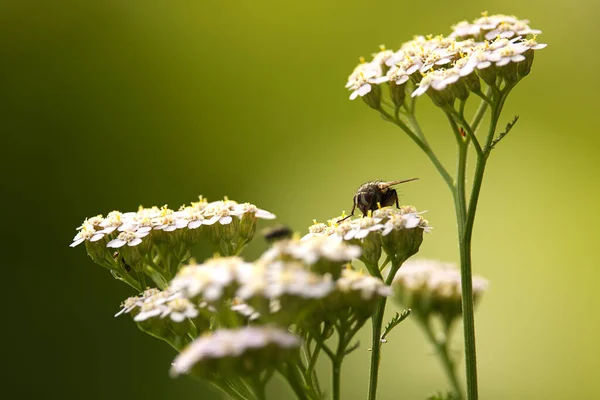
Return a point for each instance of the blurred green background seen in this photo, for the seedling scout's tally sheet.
(108, 104)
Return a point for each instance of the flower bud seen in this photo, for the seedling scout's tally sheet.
(373, 98)
(472, 82)
(397, 93)
(488, 75)
(524, 67)
(460, 90)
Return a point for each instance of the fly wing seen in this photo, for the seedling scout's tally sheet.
(384, 185)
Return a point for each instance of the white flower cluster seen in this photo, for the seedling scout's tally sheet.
(368, 286)
(154, 303)
(234, 344)
(210, 280)
(383, 221)
(437, 62)
(312, 249)
(132, 227)
(232, 277)
(363, 76)
(491, 27)
(435, 279)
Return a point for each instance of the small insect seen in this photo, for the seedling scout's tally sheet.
(277, 232)
(126, 266)
(375, 194)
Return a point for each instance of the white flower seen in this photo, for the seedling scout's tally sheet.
(225, 343)
(533, 44)
(154, 304)
(87, 232)
(361, 227)
(150, 294)
(398, 74)
(508, 30)
(509, 53)
(288, 278)
(465, 29)
(220, 211)
(149, 310)
(247, 208)
(437, 57)
(113, 220)
(252, 280)
(381, 58)
(93, 222)
(503, 26)
(363, 76)
(208, 280)
(435, 278)
(130, 304)
(312, 249)
(192, 218)
(179, 309)
(127, 238)
(318, 229)
(245, 310)
(401, 221)
(141, 221)
(368, 286)
(167, 221)
(278, 278)
(479, 59)
(431, 79)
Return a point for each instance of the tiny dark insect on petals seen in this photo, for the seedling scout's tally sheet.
(277, 232)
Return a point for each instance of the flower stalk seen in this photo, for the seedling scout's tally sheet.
(493, 50)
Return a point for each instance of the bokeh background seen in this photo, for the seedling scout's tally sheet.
(108, 104)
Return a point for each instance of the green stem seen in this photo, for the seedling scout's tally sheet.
(480, 112)
(308, 375)
(336, 378)
(444, 356)
(291, 374)
(228, 390)
(422, 145)
(465, 240)
(377, 324)
(259, 388)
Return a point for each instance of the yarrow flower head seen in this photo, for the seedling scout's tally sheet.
(211, 281)
(229, 353)
(324, 254)
(133, 304)
(364, 82)
(402, 232)
(166, 315)
(360, 292)
(431, 287)
(229, 225)
(490, 27)
(443, 67)
(261, 288)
